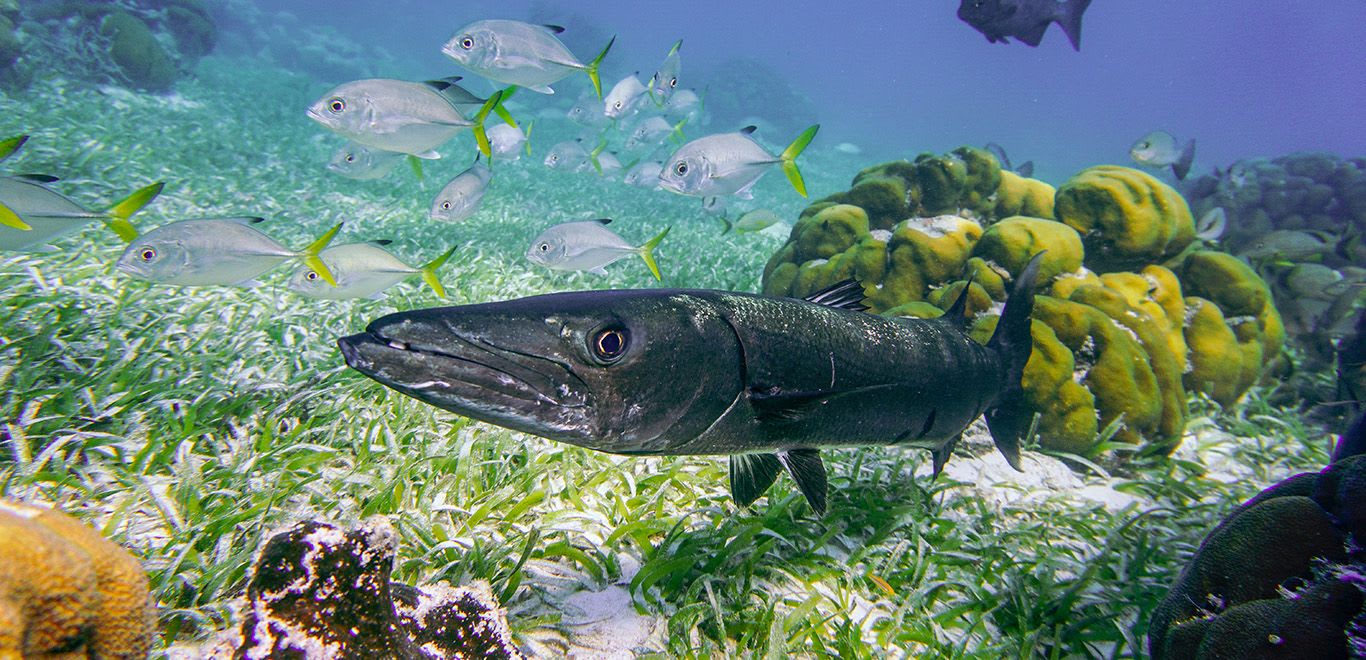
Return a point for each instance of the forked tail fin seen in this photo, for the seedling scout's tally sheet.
(117, 217)
(1182, 166)
(1009, 418)
(592, 68)
(789, 158)
(1070, 20)
(647, 252)
(429, 272)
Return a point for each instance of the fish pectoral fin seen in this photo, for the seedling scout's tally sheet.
(941, 454)
(248, 283)
(808, 471)
(600, 271)
(772, 406)
(751, 475)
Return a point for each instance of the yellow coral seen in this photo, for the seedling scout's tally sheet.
(1019, 195)
(1126, 217)
(922, 252)
(64, 588)
(1012, 242)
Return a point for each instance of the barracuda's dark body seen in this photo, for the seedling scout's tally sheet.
(769, 381)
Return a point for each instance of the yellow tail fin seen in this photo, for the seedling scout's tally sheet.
(480, 135)
(789, 158)
(647, 252)
(592, 68)
(311, 259)
(118, 214)
(429, 273)
(8, 147)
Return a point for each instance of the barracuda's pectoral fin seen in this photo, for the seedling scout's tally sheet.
(751, 475)
(808, 471)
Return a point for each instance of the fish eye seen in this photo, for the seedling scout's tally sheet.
(609, 344)
(554, 157)
(543, 247)
(673, 82)
(350, 158)
(445, 206)
(336, 105)
(467, 43)
(681, 169)
(147, 254)
(311, 276)
(617, 105)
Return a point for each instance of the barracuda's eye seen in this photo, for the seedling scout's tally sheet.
(336, 106)
(609, 344)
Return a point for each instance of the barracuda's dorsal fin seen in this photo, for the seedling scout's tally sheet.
(751, 475)
(808, 471)
(847, 294)
(956, 312)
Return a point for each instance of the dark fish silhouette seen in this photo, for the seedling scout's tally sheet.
(1026, 169)
(768, 381)
(1025, 20)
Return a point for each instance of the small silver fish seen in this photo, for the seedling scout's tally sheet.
(1160, 149)
(589, 245)
(1288, 245)
(684, 104)
(215, 251)
(650, 132)
(751, 222)
(568, 155)
(363, 270)
(665, 80)
(624, 99)
(398, 115)
(587, 112)
(32, 215)
(730, 164)
(521, 54)
(1212, 224)
(644, 174)
(460, 198)
(357, 161)
(509, 141)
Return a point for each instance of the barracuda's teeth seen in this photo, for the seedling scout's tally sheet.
(398, 345)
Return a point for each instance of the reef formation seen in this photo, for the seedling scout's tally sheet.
(1133, 313)
(1300, 219)
(146, 44)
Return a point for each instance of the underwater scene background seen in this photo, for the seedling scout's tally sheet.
(1195, 340)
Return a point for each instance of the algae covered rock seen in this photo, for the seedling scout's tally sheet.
(1018, 195)
(134, 49)
(1244, 302)
(65, 591)
(1127, 218)
(321, 591)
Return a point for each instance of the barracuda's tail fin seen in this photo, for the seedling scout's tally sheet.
(1009, 418)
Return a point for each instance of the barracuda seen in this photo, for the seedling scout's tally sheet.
(769, 381)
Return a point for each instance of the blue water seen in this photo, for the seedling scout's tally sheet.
(1244, 79)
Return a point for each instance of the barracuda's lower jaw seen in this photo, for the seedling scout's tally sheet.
(467, 385)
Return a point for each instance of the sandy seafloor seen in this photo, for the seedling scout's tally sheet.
(188, 423)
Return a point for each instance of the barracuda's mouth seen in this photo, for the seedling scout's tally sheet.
(473, 377)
